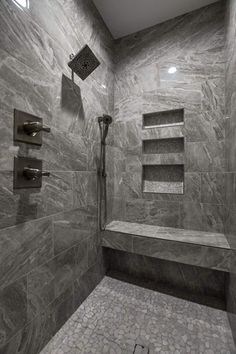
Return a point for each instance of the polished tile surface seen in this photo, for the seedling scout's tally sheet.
(50, 259)
(230, 224)
(197, 248)
(195, 45)
(170, 233)
(117, 315)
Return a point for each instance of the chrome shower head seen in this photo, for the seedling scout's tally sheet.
(84, 62)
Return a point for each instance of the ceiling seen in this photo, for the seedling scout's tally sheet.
(124, 17)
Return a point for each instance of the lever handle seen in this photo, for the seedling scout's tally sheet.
(33, 128)
(34, 173)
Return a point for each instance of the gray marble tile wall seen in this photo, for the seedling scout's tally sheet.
(194, 44)
(186, 281)
(50, 258)
(230, 153)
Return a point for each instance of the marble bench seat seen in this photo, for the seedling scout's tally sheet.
(199, 248)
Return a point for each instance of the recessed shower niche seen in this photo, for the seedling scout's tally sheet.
(163, 152)
(164, 118)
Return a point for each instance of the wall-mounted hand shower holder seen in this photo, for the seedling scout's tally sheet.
(28, 128)
(28, 173)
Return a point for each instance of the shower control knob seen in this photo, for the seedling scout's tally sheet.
(33, 128)
(34, 173)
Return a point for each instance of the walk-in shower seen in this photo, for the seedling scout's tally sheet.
(104, 123)
(117, 177)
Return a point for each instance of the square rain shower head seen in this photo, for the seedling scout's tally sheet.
(84, 62)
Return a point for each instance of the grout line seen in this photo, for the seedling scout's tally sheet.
(45, 217)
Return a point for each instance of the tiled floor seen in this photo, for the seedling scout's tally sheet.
(117, 315)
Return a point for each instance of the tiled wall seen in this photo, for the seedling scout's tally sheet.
(230, 152)
(49, 258)
(197, 284)
(49, 254)
(194, 44)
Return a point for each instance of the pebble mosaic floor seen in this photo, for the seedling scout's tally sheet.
(117, 315)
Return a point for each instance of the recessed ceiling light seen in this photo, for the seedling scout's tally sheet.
(172, 70)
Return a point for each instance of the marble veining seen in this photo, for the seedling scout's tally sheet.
(162, 243)
(166, 132)
(193, 95)
(50, 254)
(230, 108)
(169, 233)
(163, 159)
(117, 315)
(51, 264)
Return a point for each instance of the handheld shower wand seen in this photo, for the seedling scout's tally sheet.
(104, 123)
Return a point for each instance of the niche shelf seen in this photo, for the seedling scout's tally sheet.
(163, 152)
(173, 117)
(164, 146)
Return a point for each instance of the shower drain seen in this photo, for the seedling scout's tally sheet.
(140, 349)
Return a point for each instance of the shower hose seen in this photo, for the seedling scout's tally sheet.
(102, 193)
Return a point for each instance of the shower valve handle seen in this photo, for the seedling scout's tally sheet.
(34, 173)
(33, 128)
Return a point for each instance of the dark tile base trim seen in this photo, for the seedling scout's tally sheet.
(196, 284)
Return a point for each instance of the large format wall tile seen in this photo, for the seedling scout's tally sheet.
(204, 126)
(55, 278)
(77, 225)
(85, 188)
(23, 248)
(56, 195)
(194, 44)
(192, 187)
(164, 99)
(205, 157)
(230, 107)
(34, 336)
(63, 152)
(13, 308)
(7, 151)
(49, 237)
(213, 188)
(203, 216)
(24, 89)
(163, 274)
(28, 42)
